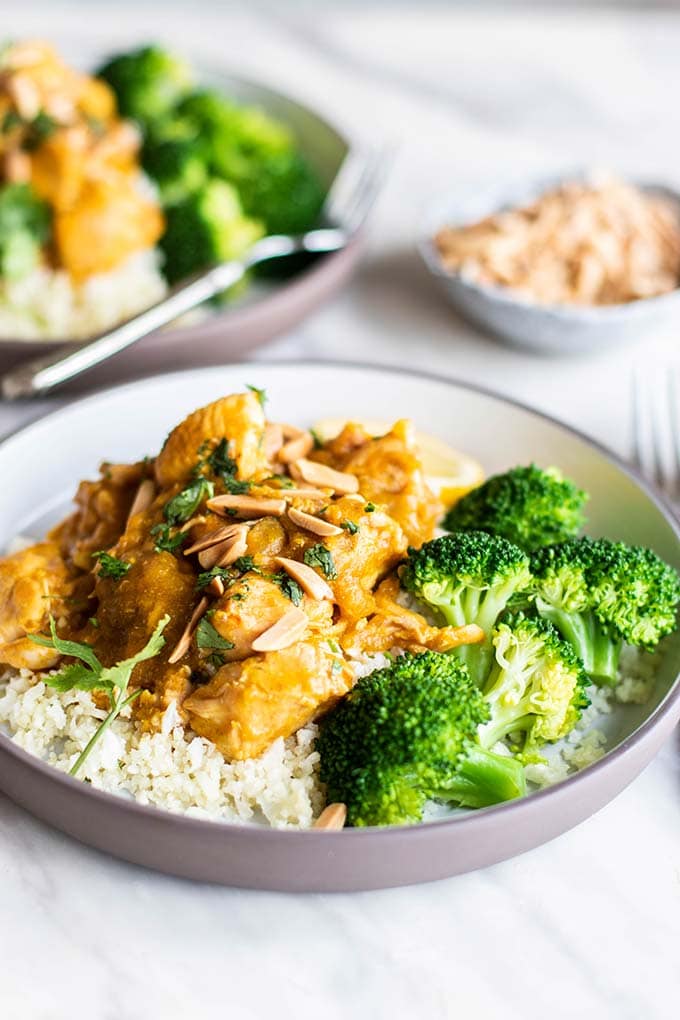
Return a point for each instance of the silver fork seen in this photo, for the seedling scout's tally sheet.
(347, 205)
(656, 429)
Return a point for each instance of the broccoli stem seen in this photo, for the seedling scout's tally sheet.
(484, 778)
(598, 649)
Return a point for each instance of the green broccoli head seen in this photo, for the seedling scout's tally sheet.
(468, 577)
(260, 156)
(148, 82)
(529, 506)
(600, 593)
(537, 685)
(177, 166)
(207, 227)
(25, 222)
(407, 734)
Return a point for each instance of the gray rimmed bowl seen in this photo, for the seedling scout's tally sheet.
(109, 425)
(269, 308)
(542, 329)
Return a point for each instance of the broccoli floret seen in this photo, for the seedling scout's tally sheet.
(600, 593)
(537, 686)
(407, 734)
(24, 228)
(529, 506)
(468, 577)
(205, 228)
(259, 155)
(148, 82)
(177, 166)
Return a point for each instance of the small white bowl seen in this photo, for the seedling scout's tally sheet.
(513, 318)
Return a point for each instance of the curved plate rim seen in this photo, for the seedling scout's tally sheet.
(481, 818)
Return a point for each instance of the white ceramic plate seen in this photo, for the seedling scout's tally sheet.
(41, 467)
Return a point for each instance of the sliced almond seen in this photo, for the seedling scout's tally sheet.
(332, 818)
(25, 96)
(144, 497)
(288, 629)
(295, 493)
(273, 439)
(296, 448)
(213, 538)
(247, 506)
(311, 583)
(326, 477)
(226, 552)
(311, 523)
(17, 166)
(188, 525)
(216, 586)
(291, 431)
(184, 643)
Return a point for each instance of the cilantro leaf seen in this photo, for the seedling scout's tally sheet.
(243, 564)
(88, 674)
(219, 461)
(206, 576)
(208, 637)
(181, 507)
(289, 587)
(350, 526)
(319, 556)
(165, 541)
(369, 508)
(111, 566)
(260, 394)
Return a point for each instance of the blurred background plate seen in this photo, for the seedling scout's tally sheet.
(269, 308)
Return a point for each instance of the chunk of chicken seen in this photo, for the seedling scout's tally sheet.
(254, 604)
(247, 705)
(394, 626)
(101, 515)
(33, 583)
(390, 473)
(238, 418)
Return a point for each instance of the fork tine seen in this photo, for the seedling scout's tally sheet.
(348, 204)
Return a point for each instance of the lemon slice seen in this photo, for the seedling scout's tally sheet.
(450, 473)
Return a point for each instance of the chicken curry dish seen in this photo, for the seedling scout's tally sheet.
(251, 562)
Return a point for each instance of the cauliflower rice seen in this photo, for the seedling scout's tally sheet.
(179, 771)
(47, 305)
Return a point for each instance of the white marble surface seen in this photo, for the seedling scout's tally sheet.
(588, 926)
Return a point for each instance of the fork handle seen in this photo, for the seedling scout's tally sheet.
(43, 373)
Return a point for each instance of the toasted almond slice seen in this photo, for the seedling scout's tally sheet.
(144, 497)
(225, 552)
(324, 476)
(247, 506)
(215, 537)
(182, 646)
(25, 96)
(188, 525)
(216, 586)
(311, 523)
(17, 166)
(311, 583)
(273, 439)
(296, 493)
(296, 448)
(332, 818)
(288, 629)
(291, 431)
(121, 474)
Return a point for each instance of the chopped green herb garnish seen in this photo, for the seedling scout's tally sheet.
(10, 121)
(111, 566)
(94, 622)
(238, 596)
(369, 508)
(219, 461)
(350, 526)
(289, 587)
(181, 507)
(208, 637)
(243, 564)
(281, 482)
(88, 674)
(319, 556)
(39, 130)
(260, 394)
(235, 486)
(165, 540)
(204, 579)
(334, 646)
(215, 659)
(318, 441)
